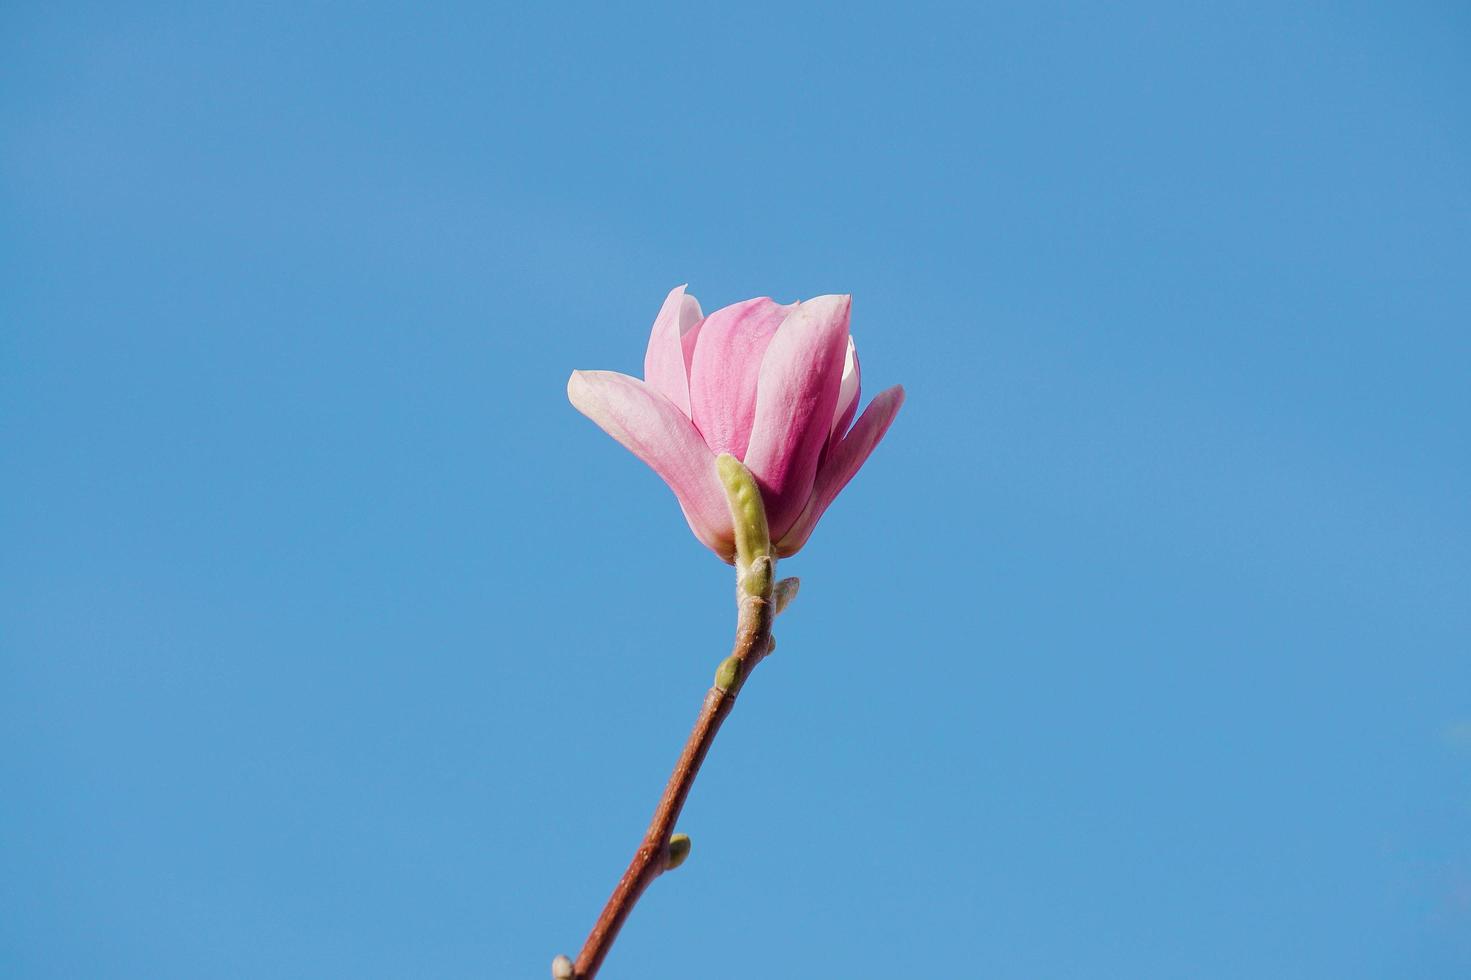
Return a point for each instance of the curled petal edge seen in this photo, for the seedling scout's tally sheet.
(849, 390)
(671, 345)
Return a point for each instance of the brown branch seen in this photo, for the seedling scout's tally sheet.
(753, 641)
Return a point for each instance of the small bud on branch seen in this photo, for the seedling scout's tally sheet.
(786, 591)
(679, 849)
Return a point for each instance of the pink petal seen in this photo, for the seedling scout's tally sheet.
(725, 369)
(848, 393)
(657, 432)
(671, 342)
(795, 403)
(842, 463)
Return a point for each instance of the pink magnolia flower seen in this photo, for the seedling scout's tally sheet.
(775, 386)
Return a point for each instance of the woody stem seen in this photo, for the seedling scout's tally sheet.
(752, 642)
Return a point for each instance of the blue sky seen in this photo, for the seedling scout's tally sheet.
(334, 642)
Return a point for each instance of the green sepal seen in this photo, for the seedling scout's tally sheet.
(747, 510)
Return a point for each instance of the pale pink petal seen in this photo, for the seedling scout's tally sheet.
(841, 464)
(657, 432)
(725, 369)
(795, 402)
(848, 393)
(671, 342)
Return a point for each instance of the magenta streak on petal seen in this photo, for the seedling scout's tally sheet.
(725, 369)
(795, 403)
(671, 342)
(657, 432)
(842, 464)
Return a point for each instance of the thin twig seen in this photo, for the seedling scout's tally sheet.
(753, 641)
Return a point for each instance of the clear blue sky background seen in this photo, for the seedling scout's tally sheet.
(335, 643)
